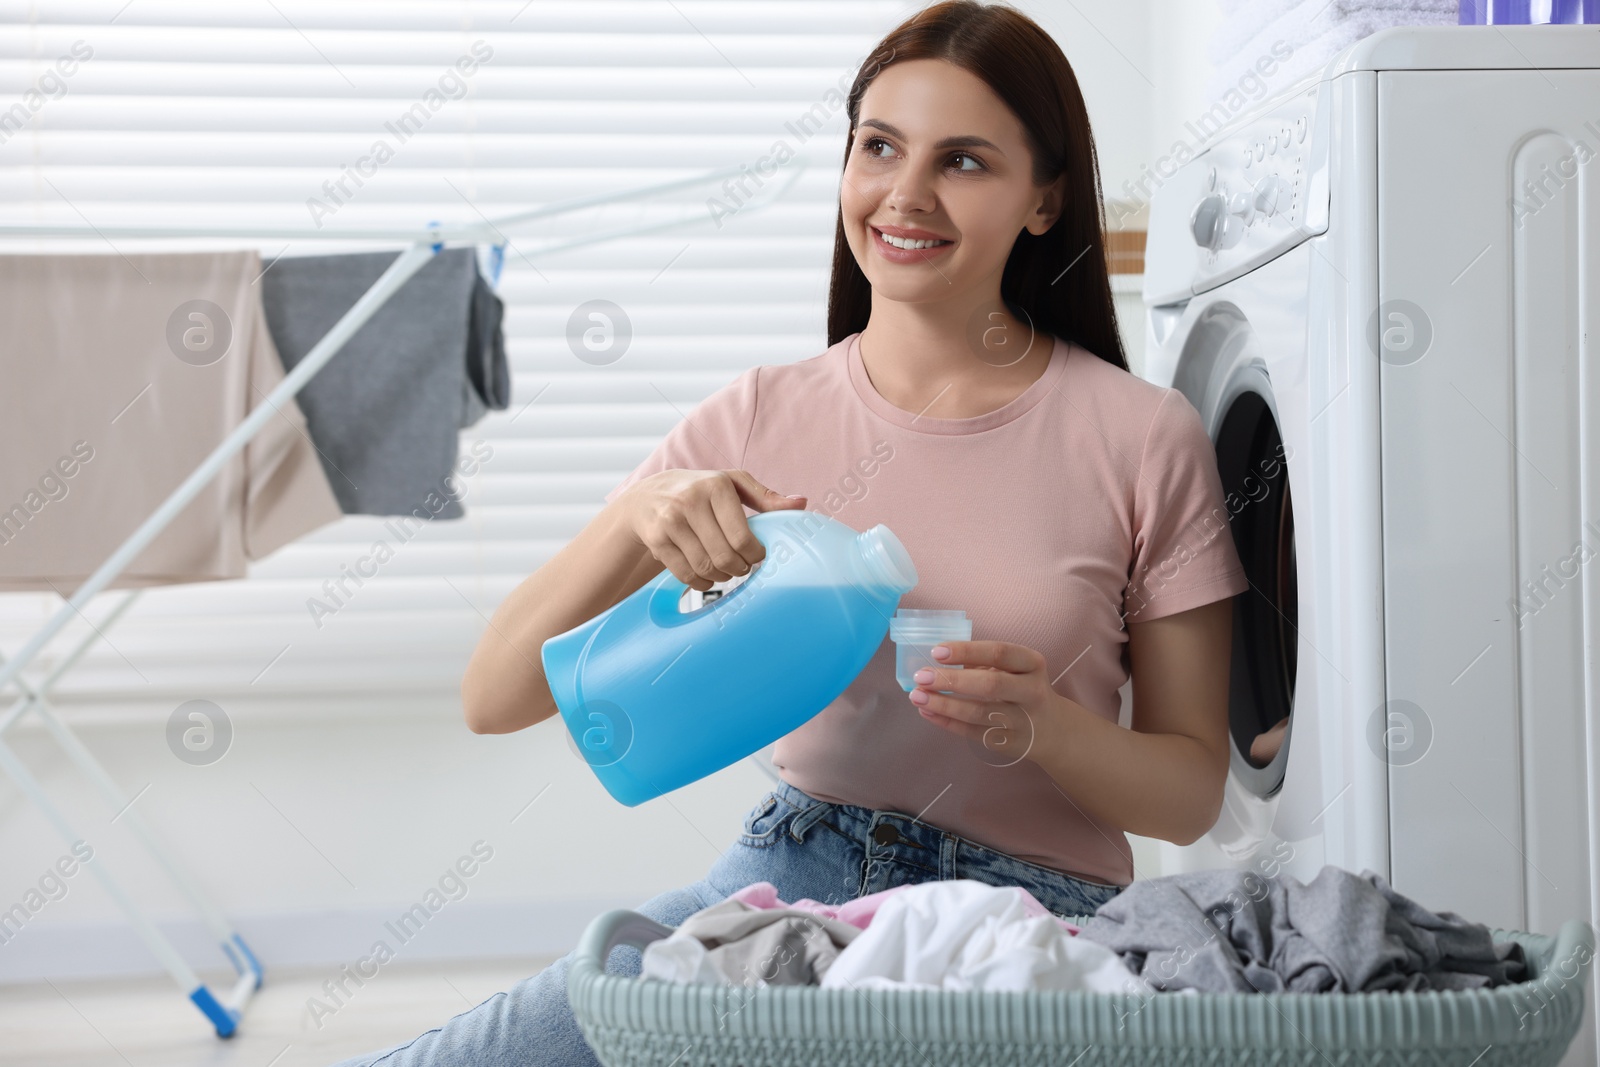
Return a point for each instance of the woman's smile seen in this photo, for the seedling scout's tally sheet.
(898, 244)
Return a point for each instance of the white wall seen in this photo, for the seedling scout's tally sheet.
(1108, 45)
(1179, 33)
(313, 832)
(319, 825)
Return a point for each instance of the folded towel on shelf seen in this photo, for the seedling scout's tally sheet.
(1226, 931)
(386, 412)
(738, 944)
(122, 372)
(1314, 31)
(962, 934)
(1308, 19)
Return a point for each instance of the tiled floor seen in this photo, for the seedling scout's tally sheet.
(146, 1023)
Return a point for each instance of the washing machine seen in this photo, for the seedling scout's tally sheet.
(1381, 291)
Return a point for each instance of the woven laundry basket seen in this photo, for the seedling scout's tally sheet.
(632, 1022)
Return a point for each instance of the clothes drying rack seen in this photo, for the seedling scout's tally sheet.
(225, 1011)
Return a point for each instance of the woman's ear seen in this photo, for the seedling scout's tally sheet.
(1049, 207)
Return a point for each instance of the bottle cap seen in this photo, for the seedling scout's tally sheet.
(929, 626)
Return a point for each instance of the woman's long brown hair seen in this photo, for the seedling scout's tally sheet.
(1058, 278)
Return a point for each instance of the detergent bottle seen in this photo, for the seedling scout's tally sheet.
(656, 697)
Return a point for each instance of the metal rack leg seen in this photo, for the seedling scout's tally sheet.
(20, 708)
(233, 946)
(223, 1018)
(244, 962)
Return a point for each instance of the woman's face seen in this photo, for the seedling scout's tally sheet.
(937, 155)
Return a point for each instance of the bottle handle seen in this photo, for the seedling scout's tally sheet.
(668, 591)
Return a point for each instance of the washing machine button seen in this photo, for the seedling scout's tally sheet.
(1209, 218)
(1272, 193)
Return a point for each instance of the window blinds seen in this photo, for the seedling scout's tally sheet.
(183, 113)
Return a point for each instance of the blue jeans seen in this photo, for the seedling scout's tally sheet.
(806, 848)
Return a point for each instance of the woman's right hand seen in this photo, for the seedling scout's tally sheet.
(693, 522)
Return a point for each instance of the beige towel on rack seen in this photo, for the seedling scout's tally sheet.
(118, 375)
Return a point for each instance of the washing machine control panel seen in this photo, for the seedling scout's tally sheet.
(1257, 191)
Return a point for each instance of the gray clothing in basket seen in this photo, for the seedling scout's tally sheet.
(386, 411)
(737, 944)
(1239, 932)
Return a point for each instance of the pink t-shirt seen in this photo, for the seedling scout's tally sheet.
(1093, 493)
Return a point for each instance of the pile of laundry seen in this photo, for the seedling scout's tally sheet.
(1239, 932)
(959, 934)
(1202, 931)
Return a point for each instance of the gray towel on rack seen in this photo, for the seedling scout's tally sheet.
(1226, 931)
(386, 411)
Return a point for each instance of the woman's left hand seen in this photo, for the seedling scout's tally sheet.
(1000, 701)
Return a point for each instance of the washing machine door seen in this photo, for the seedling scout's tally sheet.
(1223, 371)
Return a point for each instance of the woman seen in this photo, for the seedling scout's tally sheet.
(975, 399)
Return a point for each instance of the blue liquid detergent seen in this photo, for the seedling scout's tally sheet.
(657, 698)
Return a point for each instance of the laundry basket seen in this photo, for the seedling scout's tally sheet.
(632, 1022)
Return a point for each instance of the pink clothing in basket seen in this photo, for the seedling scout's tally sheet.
(859, 912)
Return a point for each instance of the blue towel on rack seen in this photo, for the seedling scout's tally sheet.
(386, 412)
